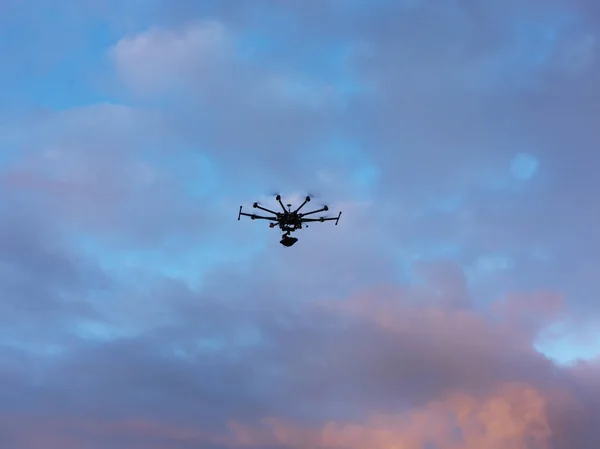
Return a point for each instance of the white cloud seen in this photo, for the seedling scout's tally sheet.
(161, 58)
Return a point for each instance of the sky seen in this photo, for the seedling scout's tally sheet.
(453, 307)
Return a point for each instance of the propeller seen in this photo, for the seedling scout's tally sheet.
(310, 194)
(316, 195)
(313, 195)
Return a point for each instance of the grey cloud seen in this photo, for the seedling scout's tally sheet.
(437, 126)
(42, 279)
(451, 98)
(102, 170)
(313, 363)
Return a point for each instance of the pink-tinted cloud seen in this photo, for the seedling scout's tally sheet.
(516, 415)
(375, 370)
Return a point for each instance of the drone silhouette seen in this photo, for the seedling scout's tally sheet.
(289, 220)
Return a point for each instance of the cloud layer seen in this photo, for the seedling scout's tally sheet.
(452, 308)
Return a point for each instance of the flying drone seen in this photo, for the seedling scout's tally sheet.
(289, 220)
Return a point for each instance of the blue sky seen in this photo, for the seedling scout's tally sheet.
(458, 138)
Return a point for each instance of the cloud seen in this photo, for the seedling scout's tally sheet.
(516, 415)
(377, 370)
(159, 59)
(456, 139)
(93, 169)
(227, 104)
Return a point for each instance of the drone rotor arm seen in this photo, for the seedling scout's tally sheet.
(258, 206)
(313, 220)
(306, 200)
(254, 217)
(279, 201)
(323, 209)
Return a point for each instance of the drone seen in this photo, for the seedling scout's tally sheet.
(289, 220)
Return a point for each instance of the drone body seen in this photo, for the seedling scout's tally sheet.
(289, 220)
